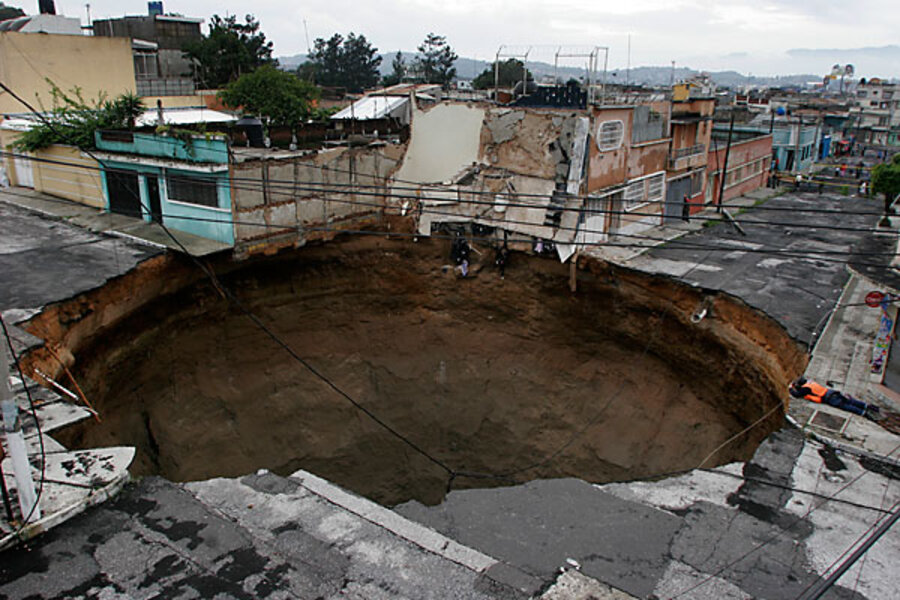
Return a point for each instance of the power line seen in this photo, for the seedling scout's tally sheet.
(417, 187)
(230, 297)
(672, 244)
(285, 346)
(37, 424)
(777, 534)
(819, 588)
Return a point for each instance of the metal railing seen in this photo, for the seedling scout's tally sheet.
(689, 151)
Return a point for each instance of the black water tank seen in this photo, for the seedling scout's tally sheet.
(253, 129)
(47, 7)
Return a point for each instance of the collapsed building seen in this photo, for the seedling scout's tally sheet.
(570, 177)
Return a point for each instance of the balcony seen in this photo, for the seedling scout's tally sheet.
(686, 158)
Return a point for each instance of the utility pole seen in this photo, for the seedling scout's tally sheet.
(724, 172)
(15, 442)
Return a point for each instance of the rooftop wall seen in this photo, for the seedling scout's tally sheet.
(98, 66)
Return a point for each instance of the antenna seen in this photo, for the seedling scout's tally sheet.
(628, 67)
(308, 47)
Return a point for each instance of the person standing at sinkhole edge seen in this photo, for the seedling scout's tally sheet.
(502, 259)
(818, 393)
(459, 254)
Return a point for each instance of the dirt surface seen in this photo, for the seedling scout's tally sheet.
(515, 377)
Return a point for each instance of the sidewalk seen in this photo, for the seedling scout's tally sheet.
(99, 221)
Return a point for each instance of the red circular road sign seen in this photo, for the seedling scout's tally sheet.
(874, 299)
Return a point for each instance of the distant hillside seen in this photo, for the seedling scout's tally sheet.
(468, 68)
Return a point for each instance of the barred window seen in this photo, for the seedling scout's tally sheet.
(656, 188)
(634, 195)
(609, 135)
(193, 189)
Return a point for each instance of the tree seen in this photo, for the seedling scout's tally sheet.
(230, 50)
(350, 63)
(73, 120)
(886, 181)
(436, 60)
(510, 72)
(278, 97)
(10, 12)
(399, 70)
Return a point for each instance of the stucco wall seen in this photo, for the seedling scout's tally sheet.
(96, 65)
(608, 167)
(741, 156)
(79, 183)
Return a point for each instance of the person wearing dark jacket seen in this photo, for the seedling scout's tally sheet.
(818, 393)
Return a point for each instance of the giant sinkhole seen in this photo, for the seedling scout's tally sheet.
(503, 380)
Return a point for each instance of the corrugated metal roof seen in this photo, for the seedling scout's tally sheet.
(172, 116)
(372, 107)
(184, 116)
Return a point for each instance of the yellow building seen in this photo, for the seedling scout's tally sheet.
(96, 65)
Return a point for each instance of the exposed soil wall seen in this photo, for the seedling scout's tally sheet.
(516, 376)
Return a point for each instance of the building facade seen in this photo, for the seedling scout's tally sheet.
(158, 40)
(748, 165)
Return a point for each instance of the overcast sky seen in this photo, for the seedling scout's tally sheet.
(750, 36)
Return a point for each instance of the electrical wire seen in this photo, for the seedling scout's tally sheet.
(290, 192)
(40, 435)
(259, 323)
(231, 298)
(671, 243)
(777, 534)
(416, 188)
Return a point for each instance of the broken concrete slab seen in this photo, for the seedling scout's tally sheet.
(539, 525)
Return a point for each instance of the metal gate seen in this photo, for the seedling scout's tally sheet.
(124, 195)
(675, 197)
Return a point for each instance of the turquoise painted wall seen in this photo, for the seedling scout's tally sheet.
(200, 149)
(211, 223)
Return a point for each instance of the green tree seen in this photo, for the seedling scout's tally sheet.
(510, 72)
(228, 51)
(399, 70)
(886, 181)
(350, 63)
(278, 97)
(10, 12)
(73, 120)
(436, 59)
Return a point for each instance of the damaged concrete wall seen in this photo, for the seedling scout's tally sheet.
(444, 139)
(525, 161)
(286, 200)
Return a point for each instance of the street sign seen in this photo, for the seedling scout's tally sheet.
(874, 299)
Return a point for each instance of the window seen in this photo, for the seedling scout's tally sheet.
(609, 135)
(194, 189)
(145, 66)
(656, 188)
(696, 183)
(634, 195)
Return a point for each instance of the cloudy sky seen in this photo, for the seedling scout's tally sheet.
(750, 36)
